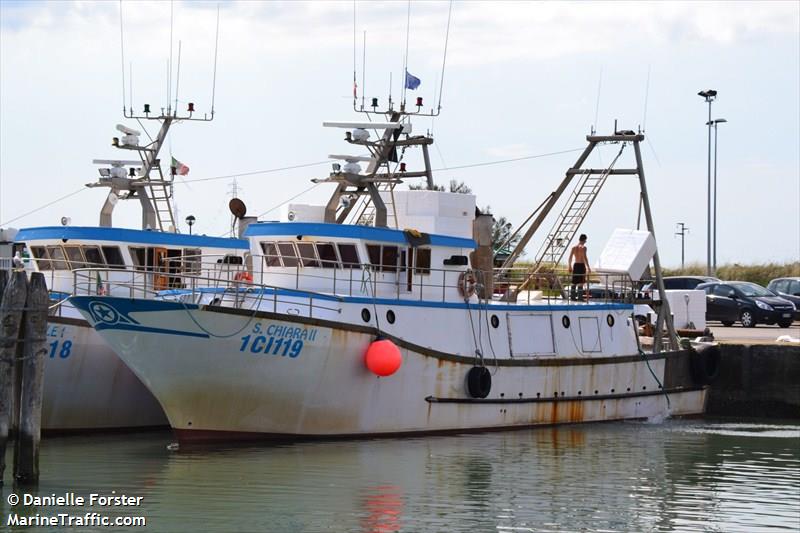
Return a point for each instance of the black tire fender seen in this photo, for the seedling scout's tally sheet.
(479, 382)
(705, 363)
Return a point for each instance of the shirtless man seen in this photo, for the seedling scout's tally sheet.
(580, 268)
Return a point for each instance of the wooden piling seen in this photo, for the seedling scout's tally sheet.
(3, 283)
(11, 309)
(26, 457)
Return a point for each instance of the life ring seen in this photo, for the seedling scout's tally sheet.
(467, 283)
(704, 363)
(243, 275)
(479, 382)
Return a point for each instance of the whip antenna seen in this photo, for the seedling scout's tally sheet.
(364, 70)
(597, 105)
(444, 57)
(214, 82)
(405, 58)
(646, 94)
(355, 85)
(169, 67)
(130, 95)
(122, 56)
(178, 77)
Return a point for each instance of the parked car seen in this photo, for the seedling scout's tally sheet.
(788, 288)
(745, 302)
(685, 283)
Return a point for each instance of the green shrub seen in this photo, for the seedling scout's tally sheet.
(761, 274)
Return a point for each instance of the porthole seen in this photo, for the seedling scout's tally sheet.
(365, 315)
(565, 321)
(495, 321)
(390, 316)
(610, 320)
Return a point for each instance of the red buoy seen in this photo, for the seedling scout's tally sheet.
(383, 357)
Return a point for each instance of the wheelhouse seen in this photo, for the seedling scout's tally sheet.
(159, 259)
(359, 260)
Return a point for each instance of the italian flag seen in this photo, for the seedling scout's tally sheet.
(101, 290)
(179, 168)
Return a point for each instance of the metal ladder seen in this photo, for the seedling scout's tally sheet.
(569, 220)
(161, 195)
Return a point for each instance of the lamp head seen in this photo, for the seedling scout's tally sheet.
(709, 94)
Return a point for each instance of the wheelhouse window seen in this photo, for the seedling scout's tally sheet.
(155, 259)
(75, 257)
(57, 259)
(374, 253)
(113, 256)
(423, 260)
(288, 254)
(383, 257)
(349, 255)
(308, 254)
(139, 257)
(271, 256)
(192, 261)
(42, 258)
(94, 257)
(327, 255)
(389, 258)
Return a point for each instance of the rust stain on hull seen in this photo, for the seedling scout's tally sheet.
(575, 411)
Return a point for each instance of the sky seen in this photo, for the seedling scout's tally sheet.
(520, 79)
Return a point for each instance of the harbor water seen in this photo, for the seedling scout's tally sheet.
(671, 475)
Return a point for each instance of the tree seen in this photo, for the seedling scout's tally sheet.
(501, 227)
(501, 234)
(455, 186)
(424, 187)
(459, 187)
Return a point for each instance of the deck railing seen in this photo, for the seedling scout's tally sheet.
(242, 280)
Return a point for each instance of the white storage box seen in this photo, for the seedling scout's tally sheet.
(688, 308)
(628, 252)
(303, 213)
(442, 213)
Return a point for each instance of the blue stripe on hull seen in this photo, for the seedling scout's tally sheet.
(127, 305)
(145, 329)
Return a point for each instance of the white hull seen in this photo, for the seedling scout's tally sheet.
(88, 387)
(212, 384)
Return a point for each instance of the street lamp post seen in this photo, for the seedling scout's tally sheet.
(190, 221)
(682, 233)
(710, 95)
(714, 255)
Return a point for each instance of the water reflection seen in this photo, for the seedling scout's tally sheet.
(619, 477)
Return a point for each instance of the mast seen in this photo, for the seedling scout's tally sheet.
(358, 196)
(144, 178)
(587, 183)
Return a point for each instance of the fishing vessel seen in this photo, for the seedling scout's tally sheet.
(87, 386)
(381, 314)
